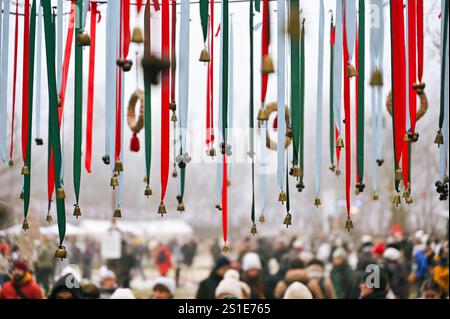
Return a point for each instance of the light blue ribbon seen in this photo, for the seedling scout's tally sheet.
(4, 80)
(281, 77)
(337, 66)
(350, 16)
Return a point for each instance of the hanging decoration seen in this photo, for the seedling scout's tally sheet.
(332, 126)
(173, 104)
(211, 151)
(204, 55)
(301, 185)
(37, 104)
(4, 64)
(337, 77)
(135, 122)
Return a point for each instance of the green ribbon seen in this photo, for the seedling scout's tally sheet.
(225, 63)
(147, 96)
(252, 112)
(332, 127)
(27, 178)
(78, 106)
(295, 82)
(204, 18)
(53, 112)
(361, 88)
(302, 97)
(257, 6)
(443, 64)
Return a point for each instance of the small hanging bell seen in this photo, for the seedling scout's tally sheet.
(406, 137)
(49, 218)
(11, 163)
(22, 195)
(162, 209)
(397, 200)
(204, 56)
(398, 175)
(351, 71)
(376, 78)
(375, 197)
(226, 249)
(340, 142)
(77, 211)
(282, 197)
(267, 65)
(287, 220)
(262, 115)
(409, 200)
(172, 106)
(61, 253)
(333, 168)
(405, 194)
(114, 181)
(127, 65)
(148, 191)
(262, 219)
(349, 224)
(83, 39)
(174, 173)
(317, 202)
(174, 117)
(117, 213)
(118, 167)
(439, 140)
(60, 193)
(253, 231)
(120, 62)
(25, 170)
(338, 172)
(25, 225)
(180, 207)
(297, 171)
(136, 36)
(105, 159)
(212, 152)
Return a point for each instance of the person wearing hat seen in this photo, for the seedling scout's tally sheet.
(207, 287)
(297, 290)
(123, 293)
(108, 283)
(163, 288)
(21, 284)
(230, 287)
(341, 273)
(66, 287)
(396, 273)
(252, 275)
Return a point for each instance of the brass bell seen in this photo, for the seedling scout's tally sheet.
(25, 225)
(409, 200)
(446, 179)
(282, 197)
(162, 209)
(21, 195)
(59, 102)
(376, 78)
(398, 175)
(406, 137)
(253, 231)
(136, 36)
(181, 208)
(267, 65)
(397, 200)
(148, 191)
(212, 152)
(60, 193)
(114, 181)
(118, 167)
(349, 224)
(25, 170)
(204, 56)
(49, 218)
(287, 220)
(120, 62)
(262, 115)
(83, 39)
(77, 211)
(174, 117)
(173, 106)
(375, 197)
(351, 71)
(297, 171)
(262, 219)
(226, 249)
(61, 252)
(439, 140)
(11, 163)
(405, 194)
(127, 65)
(340, 142)
(338, 172)
(117, 213)
(317, 202)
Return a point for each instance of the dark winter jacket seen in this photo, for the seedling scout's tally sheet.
(207, 287)
(341, 278)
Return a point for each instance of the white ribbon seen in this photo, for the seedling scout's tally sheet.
(319, 114)
(443, 150)
(85, 12)
(281, 73)
(38, 63)
(337, 66)
(350, 16)
(4, 80)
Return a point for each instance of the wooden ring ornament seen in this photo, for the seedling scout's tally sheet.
(270, 143)
(136, 124)
(423, 105)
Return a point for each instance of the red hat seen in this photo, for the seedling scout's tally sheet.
(20, 264)
(378, 249)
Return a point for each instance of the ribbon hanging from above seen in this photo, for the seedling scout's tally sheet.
(210, 137)
(231, 97)
(301, 186)
(25, 83)
(59, 41)
(332, 126)
(37, 103)
(251, 153)
(4, 63)
(173, 68)
(350, 30)
(281, 91)
(337, 73)
(204, 55)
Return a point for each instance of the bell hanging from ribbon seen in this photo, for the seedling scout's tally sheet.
(226, 249)
(25, 225)
(83, 39)
(397, 200)
(349, 224)
(11, 163)
(180, 207)
(61, 253)
(398, 174)
(377, 78)
(317, 202)
(204, 55)
(297, 171)
(60, 193)
(148, 191)
(117, 213)
(287, 220)
(118, 166)
(162, 209)
(282, 197)
(212, 152)
(262, 115)
(25, 170)
(340, 142)
(409, 200)
(253, 231)
(136, 36)
(114, 181)
(262, 219)
(338, 172)
(49, 218)
(267, 65)
(77, 211)
(351, 71)
(439, 140)
(375, 197)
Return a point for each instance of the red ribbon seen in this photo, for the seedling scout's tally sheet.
(265, 47)
(90, 98)
(165, 88)
(356, 104)
(138, 6)
(420, 38)
(209, 83)
(225, 199)
(126, 27)
(26, 55)
(172, 50)
(412, 57)
(155, 5)
(16, 42)
(348, 122)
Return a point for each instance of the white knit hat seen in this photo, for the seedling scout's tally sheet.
(230, 285)
(251, 261)
(365, 239)
(105, 273)
(392, 254)
(340, 253)
(297, 290)
(167, 282)
(123, 293)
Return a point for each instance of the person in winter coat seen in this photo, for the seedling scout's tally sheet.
(21, 284)
(341, 273)
(163, 260)
(207, 287)
(378, 292)
(354, 291)
(66, 287)
(320, 286)
(396, 273)
(252, 275)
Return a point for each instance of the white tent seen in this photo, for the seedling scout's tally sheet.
(71, 230)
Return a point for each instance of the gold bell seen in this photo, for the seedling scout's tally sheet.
(282, 197)
(262, 219)
(262, 115)
(317, 202)
(375, 197)
(25, 225)
(118, 166)
(226, 249)
(351, 71)
(406, 137)
(204, 55)
(148, 191)
(136, 36)
(297, 170)
(340, 142)
(21, 195)
(212, 152)
(172, 106)
(397, 200)
(25, 170)
(287, 220)
(60, 193)
(162, 209)
(174, 117)
(117, 213)
(349, 224)
(398, 174)
(181, 208)
(49, 218)
(114, 181)
(77, 211)
(267, 65)
(83, 39)
(409, 200)
(446, 179)
(439, 140)
(174, 173)
(61, 252)
(253, 231)
(376, 78)
(11, 163)
(405, 194)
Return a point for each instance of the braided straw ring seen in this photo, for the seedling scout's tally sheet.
(423, 107)
(134, 124)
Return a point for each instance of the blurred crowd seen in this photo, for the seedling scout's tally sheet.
(394, 267)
